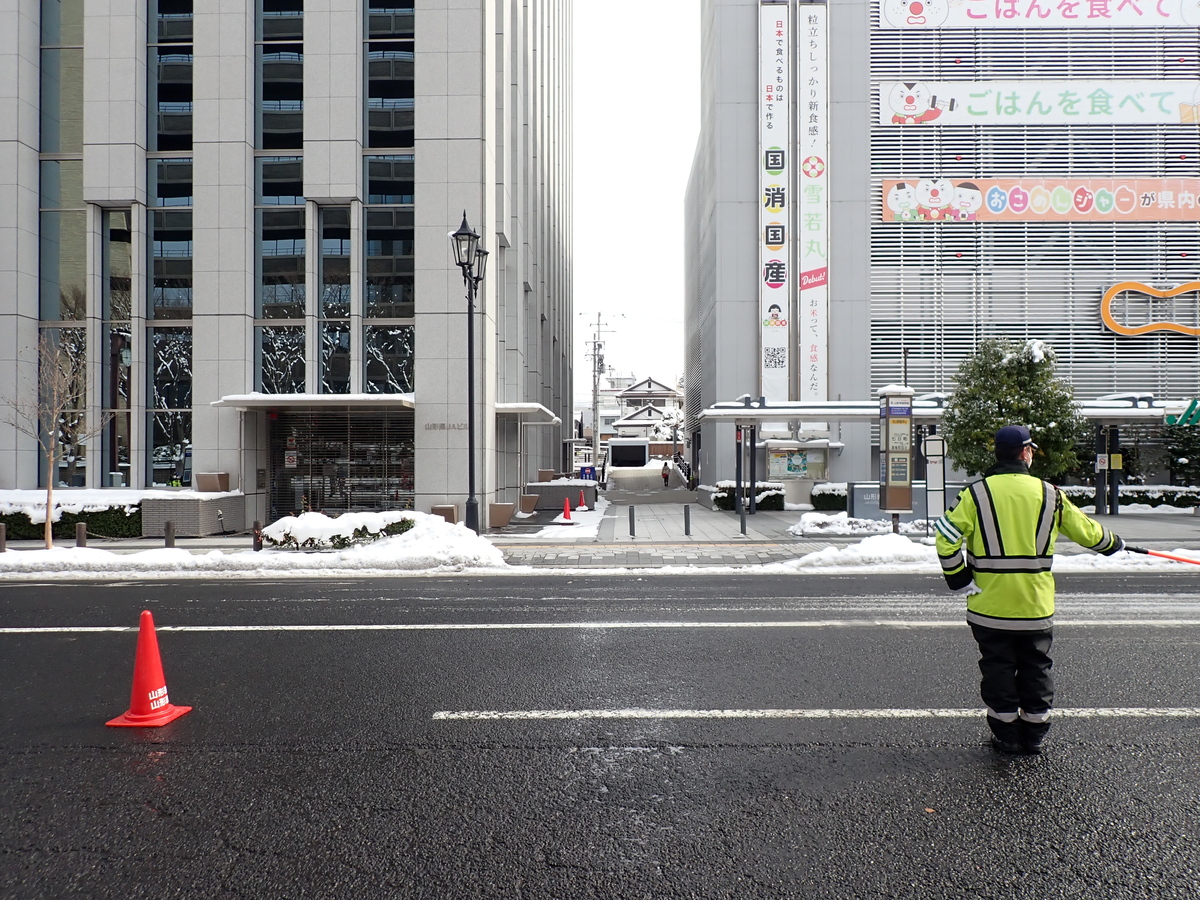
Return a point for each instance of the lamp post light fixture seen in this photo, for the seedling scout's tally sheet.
(472, 259)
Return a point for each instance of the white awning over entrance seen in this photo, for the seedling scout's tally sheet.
(256, 400)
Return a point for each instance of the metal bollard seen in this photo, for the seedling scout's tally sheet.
(3, 536)
(257, 535)
(687, 520)
(81, 534)
(632, 530)
(742, 514)
(169, 534)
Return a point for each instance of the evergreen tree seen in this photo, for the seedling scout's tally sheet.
(1012, 384)
(1183, 450)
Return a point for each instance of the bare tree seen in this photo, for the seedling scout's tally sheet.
(57, 420)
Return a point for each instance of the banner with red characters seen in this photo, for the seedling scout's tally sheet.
(949, 199)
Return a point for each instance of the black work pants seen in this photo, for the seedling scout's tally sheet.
(1015, 666)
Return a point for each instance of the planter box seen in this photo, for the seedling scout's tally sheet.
(193, 516)
(500, 514)
(528, 503)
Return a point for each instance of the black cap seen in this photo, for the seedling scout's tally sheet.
(1012, 439)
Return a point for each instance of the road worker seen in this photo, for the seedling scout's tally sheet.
(996, 547)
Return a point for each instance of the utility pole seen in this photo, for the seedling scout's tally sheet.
(597, 355)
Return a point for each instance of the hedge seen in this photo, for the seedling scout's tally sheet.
(362, 535)
(1149, 494)
(829, 496)
(769, 497)
(105, 523)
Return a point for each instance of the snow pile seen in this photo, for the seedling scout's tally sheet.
(432, 544)
(841, 524)
(887, 550)
(317, 531)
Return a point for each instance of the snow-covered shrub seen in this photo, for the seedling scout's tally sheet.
(1148, 494)
(316, 531)
(829, 496)
(768, 497)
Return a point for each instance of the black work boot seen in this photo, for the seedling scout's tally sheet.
(1033, 735)
(1006, 736)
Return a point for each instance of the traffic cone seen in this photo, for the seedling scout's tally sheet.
(582, 502)
(148, 702)
(566, 509)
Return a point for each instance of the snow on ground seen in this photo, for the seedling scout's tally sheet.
(585, 524)
(80, 500)
(815, 523)
(432, 544)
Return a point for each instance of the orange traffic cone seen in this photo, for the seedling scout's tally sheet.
(148, 703)
(582, 502)
(566, 509)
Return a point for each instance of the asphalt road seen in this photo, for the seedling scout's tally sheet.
(391, 739)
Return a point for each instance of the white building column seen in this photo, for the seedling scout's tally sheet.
(20, 90)
(223, 356)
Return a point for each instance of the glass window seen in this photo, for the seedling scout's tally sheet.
(389, 242)
(281, 359)
(117, 265)
(170, 368)
(169, 408)
(62, 23)
(63, 255)
(390, 93)
(389, 19)
(117, 339)
(171, 21)
(62, 101)
(281, 264)
(170, 100)
(170, 182)
(281, 20)
(335, 357)
(335, 262)
(281, 96)
(280, 181)
(171, 257)
(388, 350)
(62, 184)
(390, 179)
(170, 448)
(114, 452)
(69, 348)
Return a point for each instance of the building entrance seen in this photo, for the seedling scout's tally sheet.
(340, 460)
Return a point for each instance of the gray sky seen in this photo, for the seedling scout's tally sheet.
(636, 117)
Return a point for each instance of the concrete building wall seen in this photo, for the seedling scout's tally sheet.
(19, 93)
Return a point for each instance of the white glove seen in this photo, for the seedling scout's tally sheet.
(968, 590)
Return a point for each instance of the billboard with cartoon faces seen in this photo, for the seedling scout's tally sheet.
(926, 14)
(948, 199)
(1065, 102)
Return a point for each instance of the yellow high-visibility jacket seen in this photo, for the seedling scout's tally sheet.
(1001, 534)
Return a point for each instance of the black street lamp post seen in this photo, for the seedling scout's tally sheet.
(472, 259)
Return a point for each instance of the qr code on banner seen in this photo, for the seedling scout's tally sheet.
(774, 357)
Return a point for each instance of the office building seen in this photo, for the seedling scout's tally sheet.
(238, 212)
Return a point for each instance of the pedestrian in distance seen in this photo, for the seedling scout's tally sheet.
(996, 547)
(666, 474)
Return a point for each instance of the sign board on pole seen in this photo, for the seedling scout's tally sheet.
(895, 449)
(934, 449)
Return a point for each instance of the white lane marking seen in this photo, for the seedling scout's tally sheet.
(598, 626)
(637, 713)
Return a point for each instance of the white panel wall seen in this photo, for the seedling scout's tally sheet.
(114, 103)
(333, 100)
(19, 91)
(450, 173)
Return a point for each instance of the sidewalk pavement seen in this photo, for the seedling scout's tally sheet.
(659, 537)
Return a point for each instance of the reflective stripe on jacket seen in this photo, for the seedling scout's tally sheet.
(1001, 534)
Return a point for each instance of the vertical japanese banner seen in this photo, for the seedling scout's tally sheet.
(812, 242)
(774, 100)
